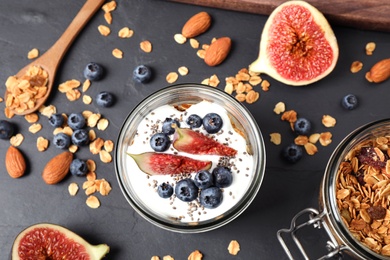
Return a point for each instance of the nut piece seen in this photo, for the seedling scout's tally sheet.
(196, 25)
(57, 168)
(15, 162)
(233, 247)
(380, 71)
(218, 51)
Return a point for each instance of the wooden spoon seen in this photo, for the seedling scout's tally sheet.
(51, 59)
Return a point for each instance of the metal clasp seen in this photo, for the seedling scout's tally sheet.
(315, 219)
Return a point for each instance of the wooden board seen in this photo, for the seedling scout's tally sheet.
(361, 14)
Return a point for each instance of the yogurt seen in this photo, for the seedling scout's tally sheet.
(145, 186)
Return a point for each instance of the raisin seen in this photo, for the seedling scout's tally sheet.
(367, 155)
(376, 212)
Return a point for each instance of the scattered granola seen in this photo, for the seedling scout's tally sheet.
(73, 188)
(117, 53)
(146, 46)
(234, 247)
(125, 32)
(328, 121)
(33, 54)
(16, 140)
(172, 77)
(93, 202)
(195, 255)
(370, 47)
(276, 138)
(42, 144)
(104, 30)
(356, 66)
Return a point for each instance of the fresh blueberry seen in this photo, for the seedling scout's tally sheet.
(349, 102)
(292, 153)
(223, 176)
(203, 179)
(302, 126)
(211, 197)
(167, 126)
(76, 121)
(212, 123)
(186, 190)
(165, 190)
(7, 129)
(160, 142)
(78, 167)
(56, 120)
(194, 121)
(93, 71)
(80, 137)
(105, 99)
(142, 74)
(61, 140)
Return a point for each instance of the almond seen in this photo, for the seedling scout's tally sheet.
(218, 51)
(196, 25)
(57, 168)
(15, 162)
(380, 71)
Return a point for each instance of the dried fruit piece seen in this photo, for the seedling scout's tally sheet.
(196, 25)
(380, 71)
(15, 162)
(193, 142)
(161, 163)
(57, 168)
(218, 51)
(40, 241)
(296, 33)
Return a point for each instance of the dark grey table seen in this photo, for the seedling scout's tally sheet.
(286, 188)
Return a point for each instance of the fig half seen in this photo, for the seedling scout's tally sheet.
(297, 46)
(50, 241)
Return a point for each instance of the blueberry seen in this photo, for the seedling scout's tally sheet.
(223, 176)
(142, 74)
(186, 190)
(203, 179)
(93, 71)
(56, 120)
(7, 129)
(160, 142)
(78, 167)
(211, 197)
(76, 121)
(61, 140)
(194, 121)
(105, 99)
(349, 102)
(165, 190)
(167, 126)
(212, 123)
(80, 137)
(302, 126)
(292, 153)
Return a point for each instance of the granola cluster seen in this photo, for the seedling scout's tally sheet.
(363, 193)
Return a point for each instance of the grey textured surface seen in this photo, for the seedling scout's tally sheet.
(286, 188)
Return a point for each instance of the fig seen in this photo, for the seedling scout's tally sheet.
(297, 46)
(51, 241)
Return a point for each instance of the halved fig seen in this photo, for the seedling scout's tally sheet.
(50, 241)
(297, 46)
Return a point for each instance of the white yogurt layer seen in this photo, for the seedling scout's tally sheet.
(145, 186)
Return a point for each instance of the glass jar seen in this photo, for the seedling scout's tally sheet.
(329, 216)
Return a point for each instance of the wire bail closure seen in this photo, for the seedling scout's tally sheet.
(315, 219)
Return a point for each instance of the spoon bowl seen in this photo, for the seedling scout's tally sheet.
(51, 59)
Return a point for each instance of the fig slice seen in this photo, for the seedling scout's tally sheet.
(297, 46)
(51, 241)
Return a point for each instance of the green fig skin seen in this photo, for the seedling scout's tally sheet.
(193, 142)
(153, 163)
(86, 250)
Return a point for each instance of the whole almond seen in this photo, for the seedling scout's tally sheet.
(196, 25)
(380, 71)
(15, 162)
(217, 52)
(57, 168)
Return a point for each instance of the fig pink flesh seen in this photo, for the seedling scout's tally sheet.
(190, 141)
(295, 38)
(161, 163)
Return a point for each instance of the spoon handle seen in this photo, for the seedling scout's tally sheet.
(55, 54)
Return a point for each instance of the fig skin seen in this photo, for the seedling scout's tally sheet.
(264, 63)
(95, 252)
